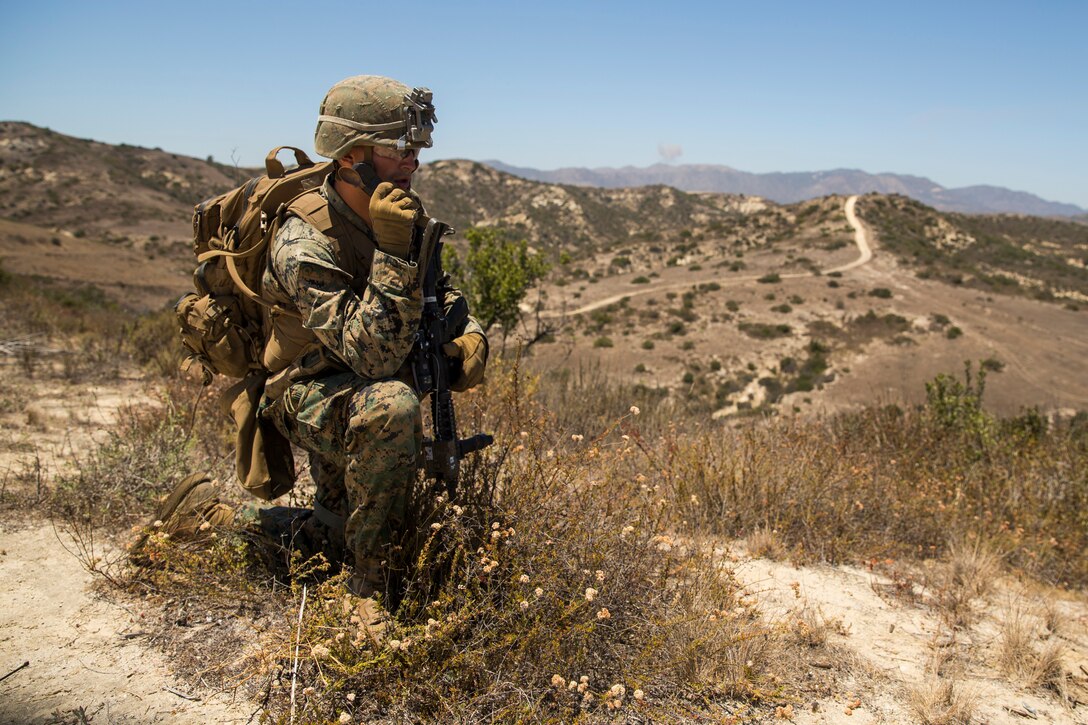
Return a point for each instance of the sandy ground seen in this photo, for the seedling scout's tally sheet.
(88, 655)
(87, 659)
(896, 643)
(85, 653)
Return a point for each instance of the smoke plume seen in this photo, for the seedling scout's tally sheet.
(669, 151)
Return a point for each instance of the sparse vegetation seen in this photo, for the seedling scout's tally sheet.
(942, 701)
(96, 334)
(997, 253)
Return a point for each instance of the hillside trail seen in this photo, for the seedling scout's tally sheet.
(861, 239)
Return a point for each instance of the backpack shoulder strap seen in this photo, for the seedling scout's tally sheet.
(313, 209)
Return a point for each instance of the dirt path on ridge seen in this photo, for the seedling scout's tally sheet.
(861, 239)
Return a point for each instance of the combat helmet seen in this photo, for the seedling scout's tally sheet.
(373, 110)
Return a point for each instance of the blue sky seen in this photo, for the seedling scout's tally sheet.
(961, 92)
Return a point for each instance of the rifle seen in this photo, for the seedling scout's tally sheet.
(433, 371)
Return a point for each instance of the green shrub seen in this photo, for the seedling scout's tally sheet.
(770, 278)
(495, 275)
(764, 331)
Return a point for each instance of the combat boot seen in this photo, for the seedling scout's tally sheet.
(191, 511)
(366, 586)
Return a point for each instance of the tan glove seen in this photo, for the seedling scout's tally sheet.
(471, 350)
(393, 214)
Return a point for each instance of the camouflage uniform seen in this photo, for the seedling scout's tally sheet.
(351, 401)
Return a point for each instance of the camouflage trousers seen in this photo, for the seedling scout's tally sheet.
(364, 439)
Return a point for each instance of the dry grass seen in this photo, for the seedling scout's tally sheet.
(973, 566)
(942, 697)
(1026, 657)
(941, 701)
(597, 495)
(764, 543)
(557, 561)
(77, 332)
(889, 484)
(964, 582)
(810, 628)
(491, 591)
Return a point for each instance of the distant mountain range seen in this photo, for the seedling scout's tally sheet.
(787, 188)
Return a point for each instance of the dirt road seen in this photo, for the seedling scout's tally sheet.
(861, 239)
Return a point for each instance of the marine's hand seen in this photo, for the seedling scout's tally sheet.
(393, 213)
(471, 350)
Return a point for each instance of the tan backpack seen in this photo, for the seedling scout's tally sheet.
(224, 324)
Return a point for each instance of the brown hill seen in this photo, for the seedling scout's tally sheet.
(121, 194)
(1005, 253)
(567, 217)
(725, 303)
(786, 313)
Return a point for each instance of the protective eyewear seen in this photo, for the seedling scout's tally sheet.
(395, 154)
